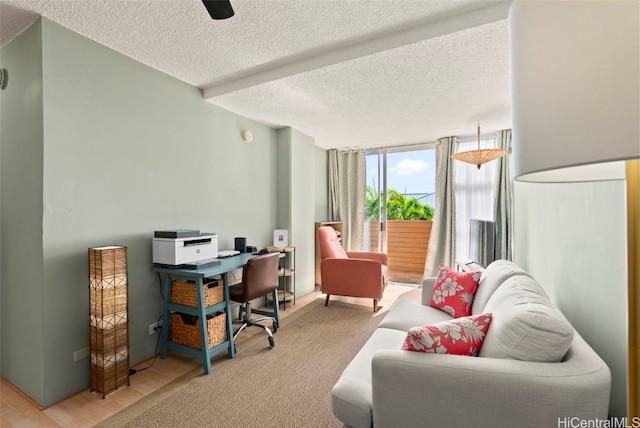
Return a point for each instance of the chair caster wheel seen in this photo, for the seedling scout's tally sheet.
(274, 327)
(271, 342)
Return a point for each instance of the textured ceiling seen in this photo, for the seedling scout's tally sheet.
(350, 73)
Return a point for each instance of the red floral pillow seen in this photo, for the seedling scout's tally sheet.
(453, 291)
(459, 336)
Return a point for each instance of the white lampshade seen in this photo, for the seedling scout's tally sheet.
(576, 89)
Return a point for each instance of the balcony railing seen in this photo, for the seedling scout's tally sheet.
(407, 244)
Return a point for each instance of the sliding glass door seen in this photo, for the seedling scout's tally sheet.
(375, 237)
(400, 198)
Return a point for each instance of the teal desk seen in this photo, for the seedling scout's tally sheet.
(228, 264)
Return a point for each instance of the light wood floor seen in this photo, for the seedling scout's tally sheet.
(86, 409)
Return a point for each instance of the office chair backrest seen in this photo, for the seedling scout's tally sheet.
(330, 247)
(260, 276)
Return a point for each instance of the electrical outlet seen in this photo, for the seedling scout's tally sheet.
(80, 354)
(155, 328)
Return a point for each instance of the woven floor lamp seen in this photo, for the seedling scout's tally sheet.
(109, 333)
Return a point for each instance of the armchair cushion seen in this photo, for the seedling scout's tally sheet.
(330, 246)
(459, 336)
(453, 291)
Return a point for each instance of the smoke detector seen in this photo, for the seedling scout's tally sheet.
(247, 136)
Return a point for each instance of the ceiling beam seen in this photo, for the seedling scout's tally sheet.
(368, 44)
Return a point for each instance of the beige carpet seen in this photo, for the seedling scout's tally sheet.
(287, 386)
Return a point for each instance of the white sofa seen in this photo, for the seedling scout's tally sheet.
(533, 369)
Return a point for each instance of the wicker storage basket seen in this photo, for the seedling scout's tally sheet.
(185, 329)
(184, 293)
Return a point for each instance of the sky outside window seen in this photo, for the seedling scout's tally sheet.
(407, 172)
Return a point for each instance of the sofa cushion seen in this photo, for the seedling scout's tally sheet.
(407, 313)
(453, 291)
(494, 275)
(459, 336)
(525, 326)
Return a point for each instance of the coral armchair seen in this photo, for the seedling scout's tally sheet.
(350, 273)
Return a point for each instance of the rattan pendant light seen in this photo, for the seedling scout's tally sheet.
(478, 157)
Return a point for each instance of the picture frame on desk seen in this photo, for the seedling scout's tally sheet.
(280, 238)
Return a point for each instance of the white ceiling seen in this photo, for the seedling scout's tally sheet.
(350, 73)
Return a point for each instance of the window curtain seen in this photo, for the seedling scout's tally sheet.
(503, 199)
(347, 181)
(474, 194)
(443, 233)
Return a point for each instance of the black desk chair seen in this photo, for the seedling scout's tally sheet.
(259, 277)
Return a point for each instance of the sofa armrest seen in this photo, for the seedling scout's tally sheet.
(369, 255)
(427, 290)
(415, 389)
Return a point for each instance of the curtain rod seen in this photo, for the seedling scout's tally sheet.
(461, 139)
(401, 148)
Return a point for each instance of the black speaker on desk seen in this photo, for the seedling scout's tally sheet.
(241, 245)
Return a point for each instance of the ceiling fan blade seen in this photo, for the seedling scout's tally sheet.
(218, 9)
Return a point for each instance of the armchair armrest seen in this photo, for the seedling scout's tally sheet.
(369, 255)
(414, 389)
(352, 277)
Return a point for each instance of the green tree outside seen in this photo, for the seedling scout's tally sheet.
(399, 207)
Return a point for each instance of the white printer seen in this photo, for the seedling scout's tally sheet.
(179, 247)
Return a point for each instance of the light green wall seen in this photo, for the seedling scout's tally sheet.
(283, 178)
(296, 185)
(322, 184)
(107, 152)
(0, 222)
(302, 184)
(21, 140)
(572, 239)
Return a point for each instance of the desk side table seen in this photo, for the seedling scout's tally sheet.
(287, 275)
(201, 311)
